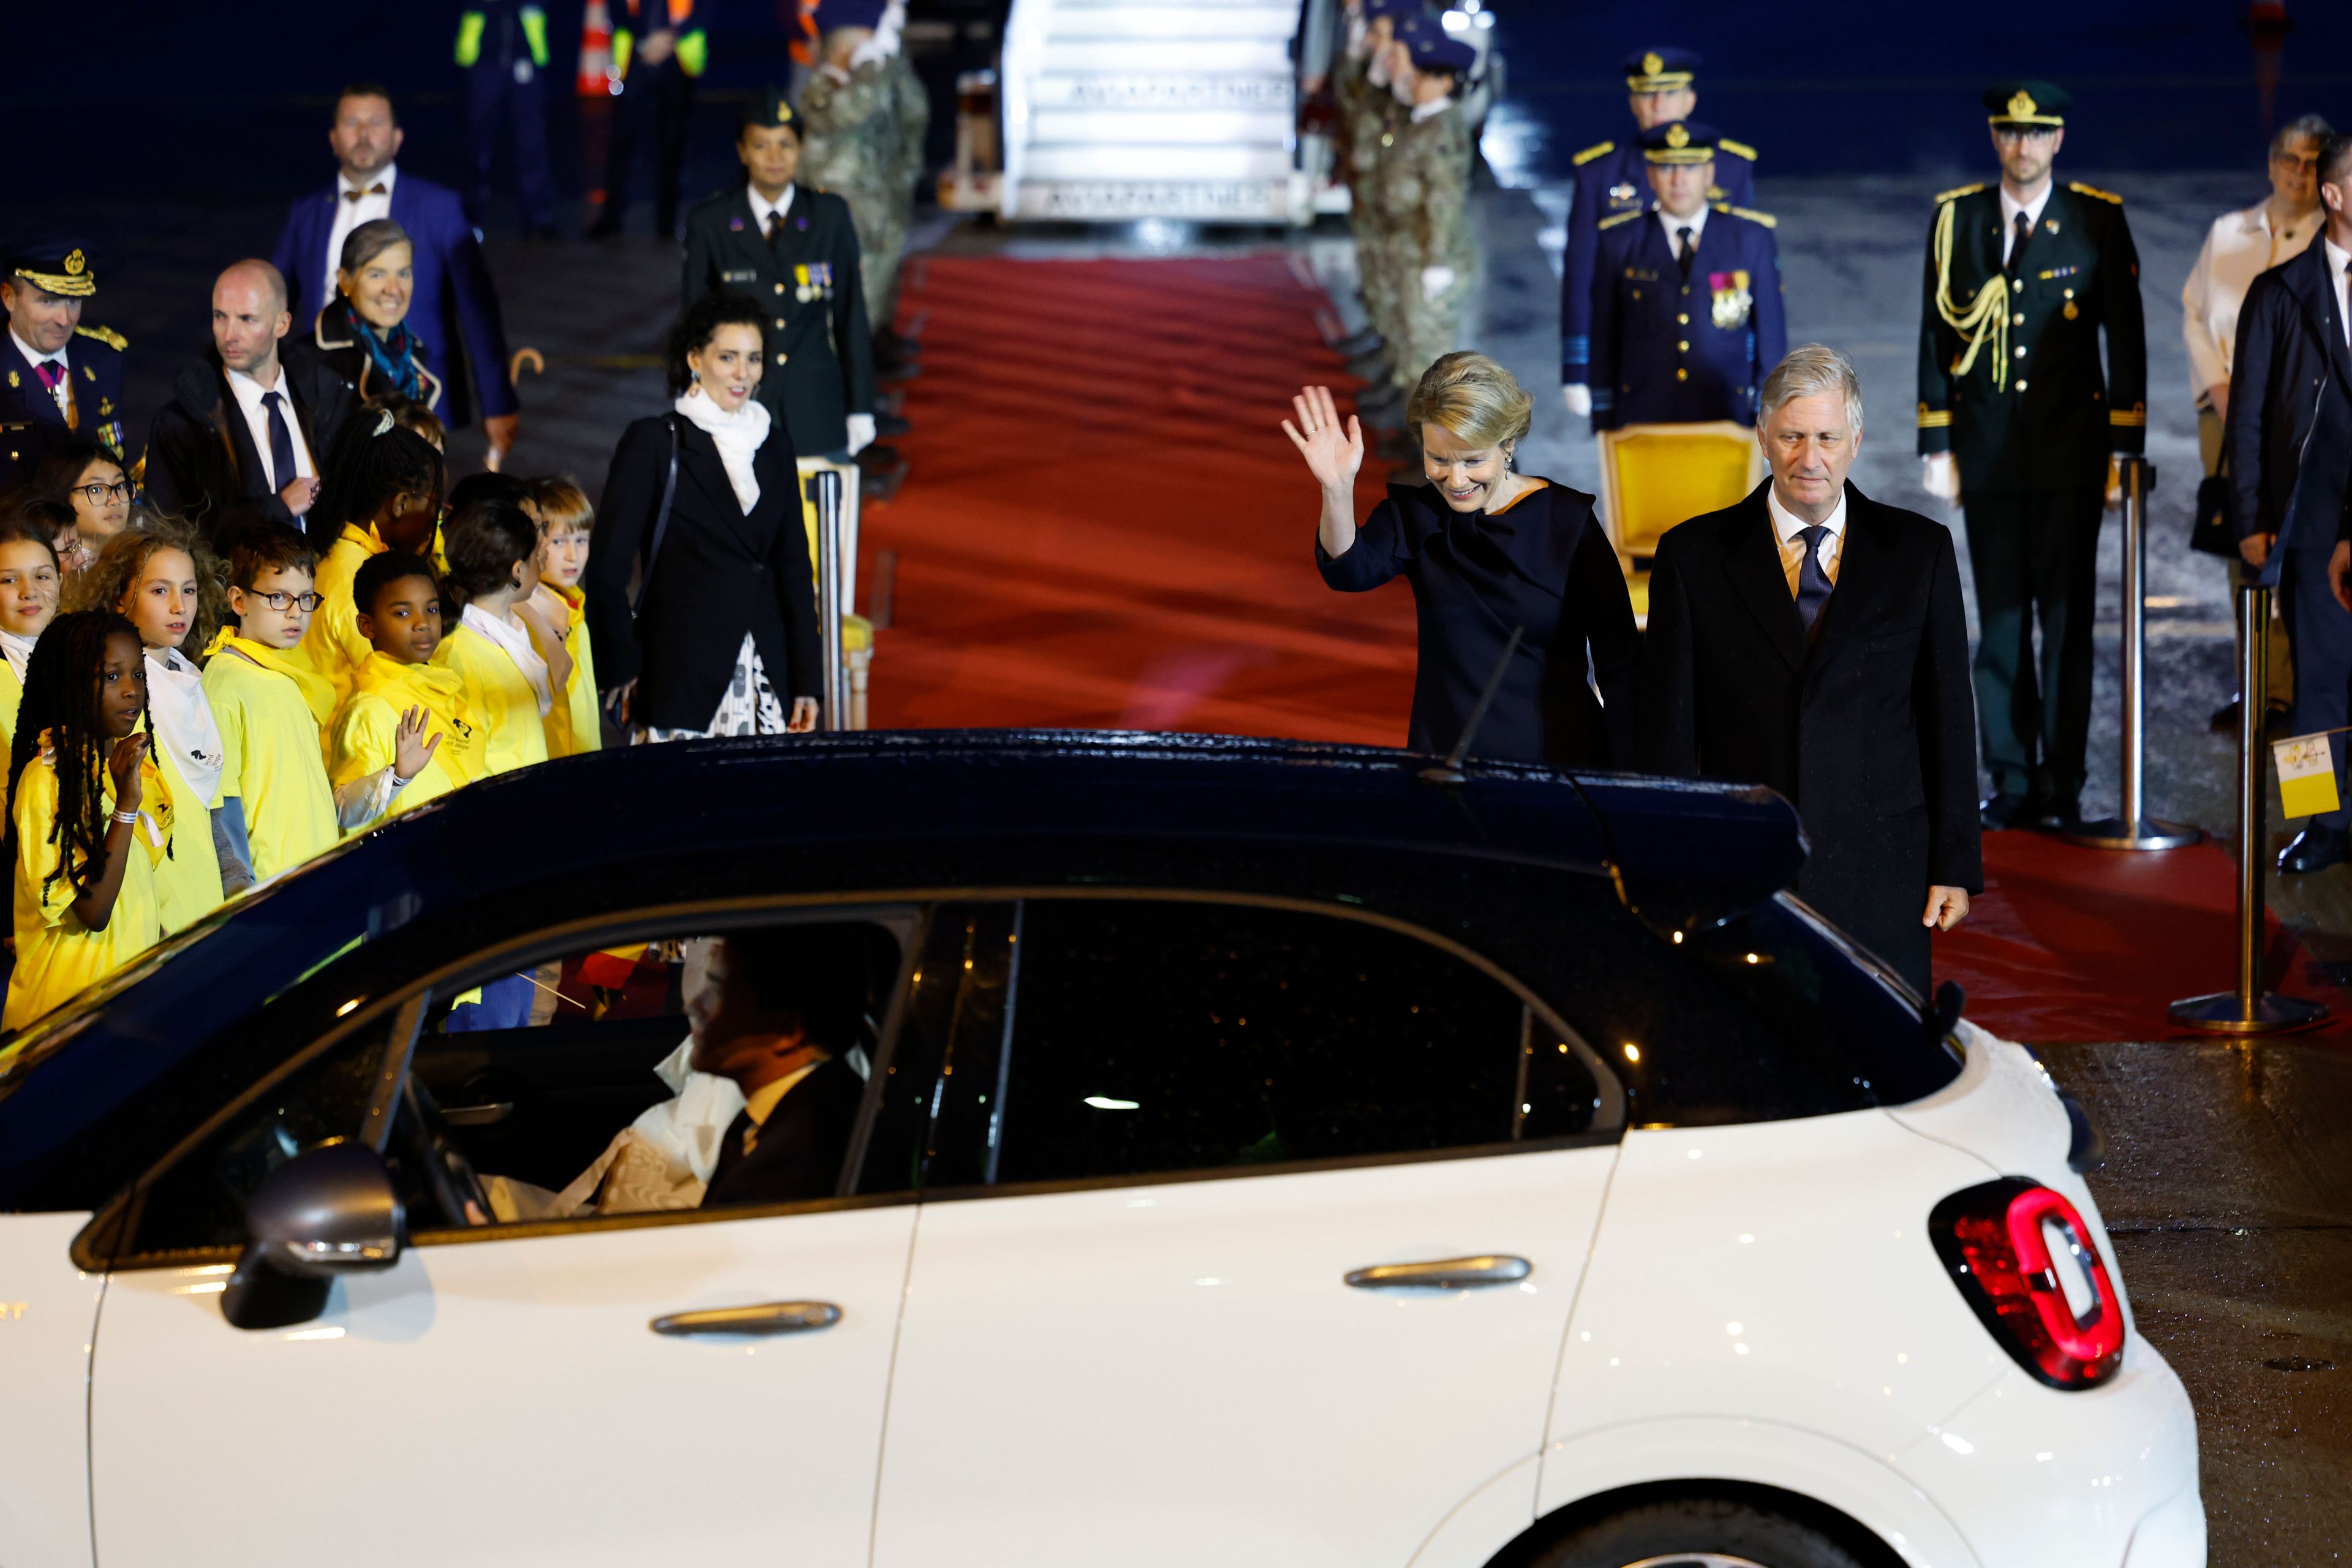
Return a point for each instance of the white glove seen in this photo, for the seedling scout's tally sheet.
(861, 433)
(1578, 398)
(1941, 478)
(1436, 280)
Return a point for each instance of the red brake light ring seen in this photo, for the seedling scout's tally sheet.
(1992, 1239)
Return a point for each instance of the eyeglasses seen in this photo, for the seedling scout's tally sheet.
(284, 602)
(98, 495)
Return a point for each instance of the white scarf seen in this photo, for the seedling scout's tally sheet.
(738, 436)
(19, 652)
(516, 640)
(183, 720)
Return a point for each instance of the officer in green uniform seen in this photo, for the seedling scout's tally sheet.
(855, 143)
(1422, 187)
(2018, 423)
(794, 249)
(1369, 116)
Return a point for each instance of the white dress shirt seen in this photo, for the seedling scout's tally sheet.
(250, 394)
(62, 392)
(349, 216)
(2239, 248)
(1432, 109)
(1788, 533)
(765, 212)
(1695, 223)
(2011, 208)
(2337, 260)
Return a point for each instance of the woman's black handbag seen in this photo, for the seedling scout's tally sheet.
(661, 520)
(2209, 531)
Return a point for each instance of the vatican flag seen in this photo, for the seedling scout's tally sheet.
(2306, 775)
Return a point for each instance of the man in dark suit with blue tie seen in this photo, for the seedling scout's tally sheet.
(57, 377)
(1811, 639)
(453, 311)
(1686, 309)
(2288, 448)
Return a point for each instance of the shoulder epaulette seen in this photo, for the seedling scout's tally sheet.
(1742, 147)
(1958, 191)
(1620, 217)
(1752, 215)
(106, 335)
(1590, 153)
(2083, 190)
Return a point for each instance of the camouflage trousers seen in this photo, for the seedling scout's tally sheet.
(1374, 269)
(1426, 328)
(881, 219)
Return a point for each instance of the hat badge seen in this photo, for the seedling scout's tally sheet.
(2022, 106)
(1652, 64)
(74, 263)
(1677, 136)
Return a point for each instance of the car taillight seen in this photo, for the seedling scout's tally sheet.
(2024, 1258)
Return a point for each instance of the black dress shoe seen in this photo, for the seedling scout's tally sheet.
(2225, 718)
(2006, 810)
(2278, 720)
(2315, 848)
(2059, 816)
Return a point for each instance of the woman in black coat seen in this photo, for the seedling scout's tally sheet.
(1486, 549)
(722, 638)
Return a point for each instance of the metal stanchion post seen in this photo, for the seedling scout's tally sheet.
(2249, 1010)
(825, 491)
(2132, 828)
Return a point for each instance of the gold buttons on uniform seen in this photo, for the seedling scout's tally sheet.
(1684, 318)
(2020, 352)
(2017, 285)
(780, 288)
(1684, 345)
(2020, 385)
(780, 321)
(781, 359)
(2018, 319)
(1682, 375)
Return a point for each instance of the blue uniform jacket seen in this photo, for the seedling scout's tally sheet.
(95, 363)
(1667, 350)
(453, 311)
(1611, 181)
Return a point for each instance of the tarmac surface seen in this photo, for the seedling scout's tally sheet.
(2228, 1187)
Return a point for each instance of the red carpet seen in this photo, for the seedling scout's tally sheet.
(1105, 526)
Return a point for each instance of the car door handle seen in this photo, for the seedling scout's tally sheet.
(767, 1318)
(1443, 1273)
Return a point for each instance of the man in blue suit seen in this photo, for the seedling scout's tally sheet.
(1686, 310)
(454, 310)
(1611, 180)
(56, 374)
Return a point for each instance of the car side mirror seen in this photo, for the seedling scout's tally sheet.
(326, 1213)
(1944, 1012)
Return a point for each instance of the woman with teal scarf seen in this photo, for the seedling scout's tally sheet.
(363, 331)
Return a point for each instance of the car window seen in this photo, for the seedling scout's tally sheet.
(937, 1105)
(1147, 1036)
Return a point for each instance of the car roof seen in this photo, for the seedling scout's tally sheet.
(1742, 841)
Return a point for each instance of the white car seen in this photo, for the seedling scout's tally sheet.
(1266, 1154)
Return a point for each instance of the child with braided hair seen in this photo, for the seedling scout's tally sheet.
(88, 816)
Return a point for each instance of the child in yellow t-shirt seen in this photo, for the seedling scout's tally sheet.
(557, 612)
(29, 583)
(404, 735)
(273, 774)
(381, 490)
(492, 546)
(88, 816)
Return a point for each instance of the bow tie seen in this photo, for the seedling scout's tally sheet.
(374, 190)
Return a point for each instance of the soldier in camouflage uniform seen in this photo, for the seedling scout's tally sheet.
(1422, 186)
(857, 140)
(1369, 116)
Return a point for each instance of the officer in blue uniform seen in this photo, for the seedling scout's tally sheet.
(56, 374)
(502, 50)
(1686, 309)
(1611, 180)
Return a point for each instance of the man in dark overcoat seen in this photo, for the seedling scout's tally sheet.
(1811, 639)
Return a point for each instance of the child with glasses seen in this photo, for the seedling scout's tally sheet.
(274, 772)
(90, 478)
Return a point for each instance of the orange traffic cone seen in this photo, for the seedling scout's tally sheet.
(596, 74)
